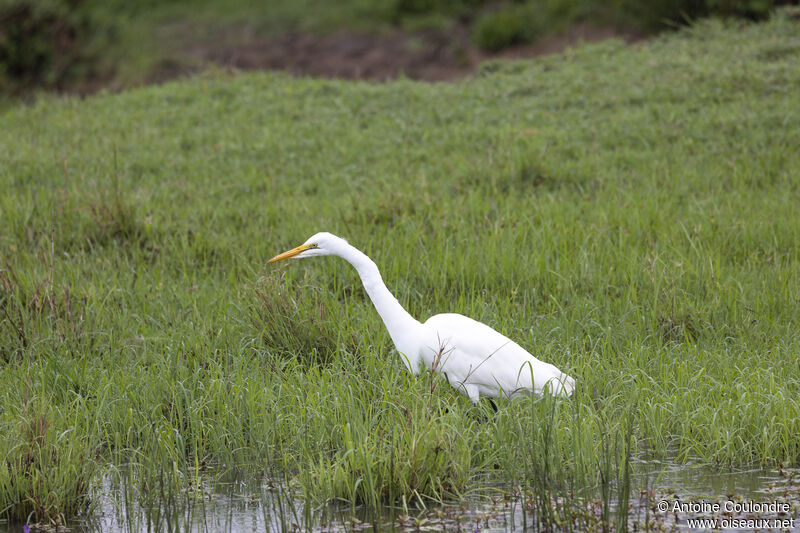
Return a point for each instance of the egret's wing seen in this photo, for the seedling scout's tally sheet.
(475, 354)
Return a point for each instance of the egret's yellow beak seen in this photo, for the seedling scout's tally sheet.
(291, 253)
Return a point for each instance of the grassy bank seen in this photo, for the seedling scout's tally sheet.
(628, 214)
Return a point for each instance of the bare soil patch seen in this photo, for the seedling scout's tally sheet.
(433, 55)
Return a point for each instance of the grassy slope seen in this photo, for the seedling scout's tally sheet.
(629, 214)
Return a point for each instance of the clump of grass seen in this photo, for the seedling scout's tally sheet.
(30, 304)
(114, 219)
(576, 478)
(678, 329)
(47, 469)
(12, 323)
(292, 322)
(397, 454)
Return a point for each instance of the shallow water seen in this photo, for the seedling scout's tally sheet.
(694, 480)
(236, 506)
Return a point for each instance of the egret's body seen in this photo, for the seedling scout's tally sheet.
(475, 359)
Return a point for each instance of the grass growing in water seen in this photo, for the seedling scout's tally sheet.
(628, 214)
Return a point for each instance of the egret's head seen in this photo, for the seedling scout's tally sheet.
(322, 243)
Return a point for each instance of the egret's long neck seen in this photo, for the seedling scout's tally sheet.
(401, 325)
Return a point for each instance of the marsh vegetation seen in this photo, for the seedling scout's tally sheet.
(628, 214)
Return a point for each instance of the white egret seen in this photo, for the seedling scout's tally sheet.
(475, 359)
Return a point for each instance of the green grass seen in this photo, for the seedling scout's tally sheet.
(626, 213)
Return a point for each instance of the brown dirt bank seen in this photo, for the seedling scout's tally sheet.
(433, 55)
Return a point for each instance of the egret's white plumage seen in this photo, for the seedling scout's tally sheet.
(475, 359)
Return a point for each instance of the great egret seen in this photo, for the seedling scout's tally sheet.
(475, 359)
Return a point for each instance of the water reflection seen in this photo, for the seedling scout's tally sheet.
(701, 481)
(214, 503)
